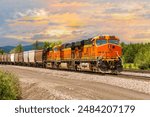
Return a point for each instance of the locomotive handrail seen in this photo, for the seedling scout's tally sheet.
(117, 54)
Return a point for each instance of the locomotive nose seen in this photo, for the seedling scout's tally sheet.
(112, 51)
(110, 46)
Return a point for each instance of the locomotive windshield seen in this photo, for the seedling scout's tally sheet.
(100, 42)
(114, 41)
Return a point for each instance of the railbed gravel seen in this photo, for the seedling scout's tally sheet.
(133, 84)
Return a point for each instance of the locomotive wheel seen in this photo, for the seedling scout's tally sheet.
(52, 65)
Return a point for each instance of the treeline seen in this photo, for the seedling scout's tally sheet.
(136, 55)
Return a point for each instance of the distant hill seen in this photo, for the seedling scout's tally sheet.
(7, 49)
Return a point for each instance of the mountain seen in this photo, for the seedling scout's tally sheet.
(7, 49)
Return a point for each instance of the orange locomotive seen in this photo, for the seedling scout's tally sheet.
(100, 54)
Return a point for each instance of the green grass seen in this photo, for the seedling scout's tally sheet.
(9, 86)
(130, 66)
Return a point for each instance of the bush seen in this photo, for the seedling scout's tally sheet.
(142, 58)
(144, 66)
(130, 66)
(124, 66)
(9, 86)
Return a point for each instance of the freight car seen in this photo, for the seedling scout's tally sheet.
(20, 58)
(32, 57)
(98, 54)
(16, 58)
(12, 57)
(26, 58)
(36, 58)
(40, 58)
(1, 59)
(9, 59)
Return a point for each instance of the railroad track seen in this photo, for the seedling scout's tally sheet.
(141, 74)
(129, 76)
(137, 71)
(120, 75)
(136, 75)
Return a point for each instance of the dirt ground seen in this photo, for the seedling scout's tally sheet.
(46, 84)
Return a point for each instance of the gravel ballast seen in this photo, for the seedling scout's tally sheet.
(134, 84)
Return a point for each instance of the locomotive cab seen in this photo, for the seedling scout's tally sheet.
(108, 53)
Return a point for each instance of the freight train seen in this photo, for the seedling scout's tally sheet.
(98, 54)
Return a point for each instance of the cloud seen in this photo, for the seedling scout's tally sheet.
(56, 26)
(19, 37)
(71, 4)
(69, 19)
(32, 13)
(142, 35)
(48, 20)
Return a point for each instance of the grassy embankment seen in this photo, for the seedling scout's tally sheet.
(9, 86)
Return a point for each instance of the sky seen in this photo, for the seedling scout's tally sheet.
(25, 21)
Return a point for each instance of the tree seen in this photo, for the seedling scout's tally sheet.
(17, 49)
(36, 46)
(50, 45)
(142, 58)
(124, 46)
(130, 51)
(46, 45)
(138, 54)
(2, 51)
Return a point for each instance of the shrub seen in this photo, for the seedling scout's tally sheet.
(144, 66)
(124, 66)
(9, 86)
(142, 58)
(130, 66)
